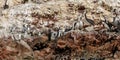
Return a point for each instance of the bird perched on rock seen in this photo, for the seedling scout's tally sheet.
(78, 24)
(89, 20)
(116, 22)
(67, 28)
(107, 24)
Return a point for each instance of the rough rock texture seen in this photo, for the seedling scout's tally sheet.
(59, 29)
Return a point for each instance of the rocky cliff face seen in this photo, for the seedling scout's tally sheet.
(62, 20)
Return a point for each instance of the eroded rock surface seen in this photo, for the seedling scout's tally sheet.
(48, 26)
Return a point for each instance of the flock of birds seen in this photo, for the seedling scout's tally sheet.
(29, 31)
(77, 25)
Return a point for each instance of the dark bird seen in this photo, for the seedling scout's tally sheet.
(89, 20)
(6, 6)
(58, 33)
(49, 34)
(67, 28)
(108, 23)
(74, 24)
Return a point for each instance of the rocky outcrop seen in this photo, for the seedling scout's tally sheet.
(41, 23)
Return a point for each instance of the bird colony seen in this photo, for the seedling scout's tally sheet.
(54, 27)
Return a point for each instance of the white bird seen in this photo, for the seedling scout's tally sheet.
(105, 25)
(53, 35)
(78, 24)
(116, 22)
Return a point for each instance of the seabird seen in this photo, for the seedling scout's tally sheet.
(89, 20)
